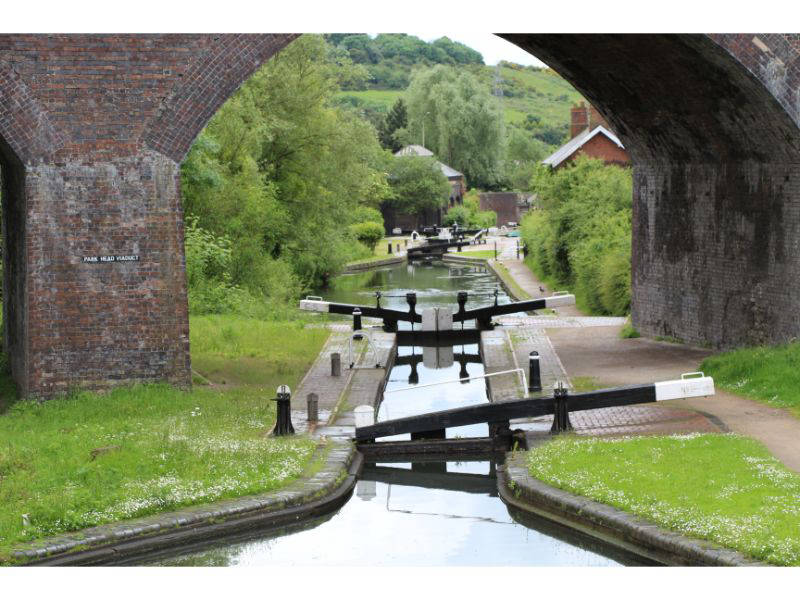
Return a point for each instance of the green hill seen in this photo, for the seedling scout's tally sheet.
(534, 99)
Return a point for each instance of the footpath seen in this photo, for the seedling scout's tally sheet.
(601, 358)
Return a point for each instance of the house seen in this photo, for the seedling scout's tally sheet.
(406, 221)
(457, 185)
(590, 136)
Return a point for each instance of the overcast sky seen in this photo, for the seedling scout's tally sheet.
(493, 48)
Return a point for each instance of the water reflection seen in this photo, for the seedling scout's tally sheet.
(412, 514)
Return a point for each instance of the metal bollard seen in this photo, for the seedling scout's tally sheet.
(534, 372)
(283, 425)
(390, 248)
(495, 250)
(561, 421)
(459, 246)
(312, 401)
(357, 322)
(405, 243)
(517, 249)
(336, 364)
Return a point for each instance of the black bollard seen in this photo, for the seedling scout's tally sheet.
(283, 426)
(357, 323)
(462, 298)
(411, 298)
(517, 249)
(561, 421)
(534, 373)
(495, 250)
(336, 364)
(312, 402)
(390, 248)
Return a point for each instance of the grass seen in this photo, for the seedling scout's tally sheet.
(510, 282)
(90, 458)
(628, 331)
(768, 374)
(586, 384)
(475, 253)
(381, 250)
(720, 487)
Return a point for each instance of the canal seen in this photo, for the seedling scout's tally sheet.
(417, 512)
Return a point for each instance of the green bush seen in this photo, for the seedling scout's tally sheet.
(580, 237)
(368, 233)
(469, 215)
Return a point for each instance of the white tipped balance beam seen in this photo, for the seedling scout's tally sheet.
(315, 304)
(690, 385)
(559, 299)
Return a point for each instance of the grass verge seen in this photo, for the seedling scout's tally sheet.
(768, 374)
(512, 285)
(734, 492)
(89, 459)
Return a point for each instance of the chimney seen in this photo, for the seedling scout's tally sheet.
(595, 119)
(579, 119)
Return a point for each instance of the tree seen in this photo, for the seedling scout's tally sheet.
(462, 122)
(282, 172)
(417, 184)
(396, 120)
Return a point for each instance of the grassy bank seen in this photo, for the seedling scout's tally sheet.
(381, 251)
(767, 374)
(89, 458)
(733, 492)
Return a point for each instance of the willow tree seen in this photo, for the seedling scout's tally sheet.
(460, 122)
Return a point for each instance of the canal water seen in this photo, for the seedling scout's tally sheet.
(417, 513)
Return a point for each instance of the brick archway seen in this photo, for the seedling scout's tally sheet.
(711, 123)
(94, 127)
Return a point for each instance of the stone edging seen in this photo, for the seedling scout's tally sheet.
(613, 526)
(506, 285)
(302, 499)
(372, 264)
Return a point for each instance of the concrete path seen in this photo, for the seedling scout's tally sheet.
(612, 361)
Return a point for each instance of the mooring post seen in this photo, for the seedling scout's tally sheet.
(357, 322)
(283, 425)
(411, 298)
(561, 421)
(517, 249)
(336, 364)
(534, 372)
(312, 401)
(495, 250)
(459, 245)
(462, 298)
(390, 248)
(405, 243)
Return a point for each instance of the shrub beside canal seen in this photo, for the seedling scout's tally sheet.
(767, 374)
(89, 458)
(579, 237)
(721, 487)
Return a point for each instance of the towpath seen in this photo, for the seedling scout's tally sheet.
(600, 358)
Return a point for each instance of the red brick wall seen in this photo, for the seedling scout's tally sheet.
(504, 204)
(93, 130)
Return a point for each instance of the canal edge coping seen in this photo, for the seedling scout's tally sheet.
(304, 498)
(611, 525)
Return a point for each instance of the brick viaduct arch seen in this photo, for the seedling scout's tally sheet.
(93, 129)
